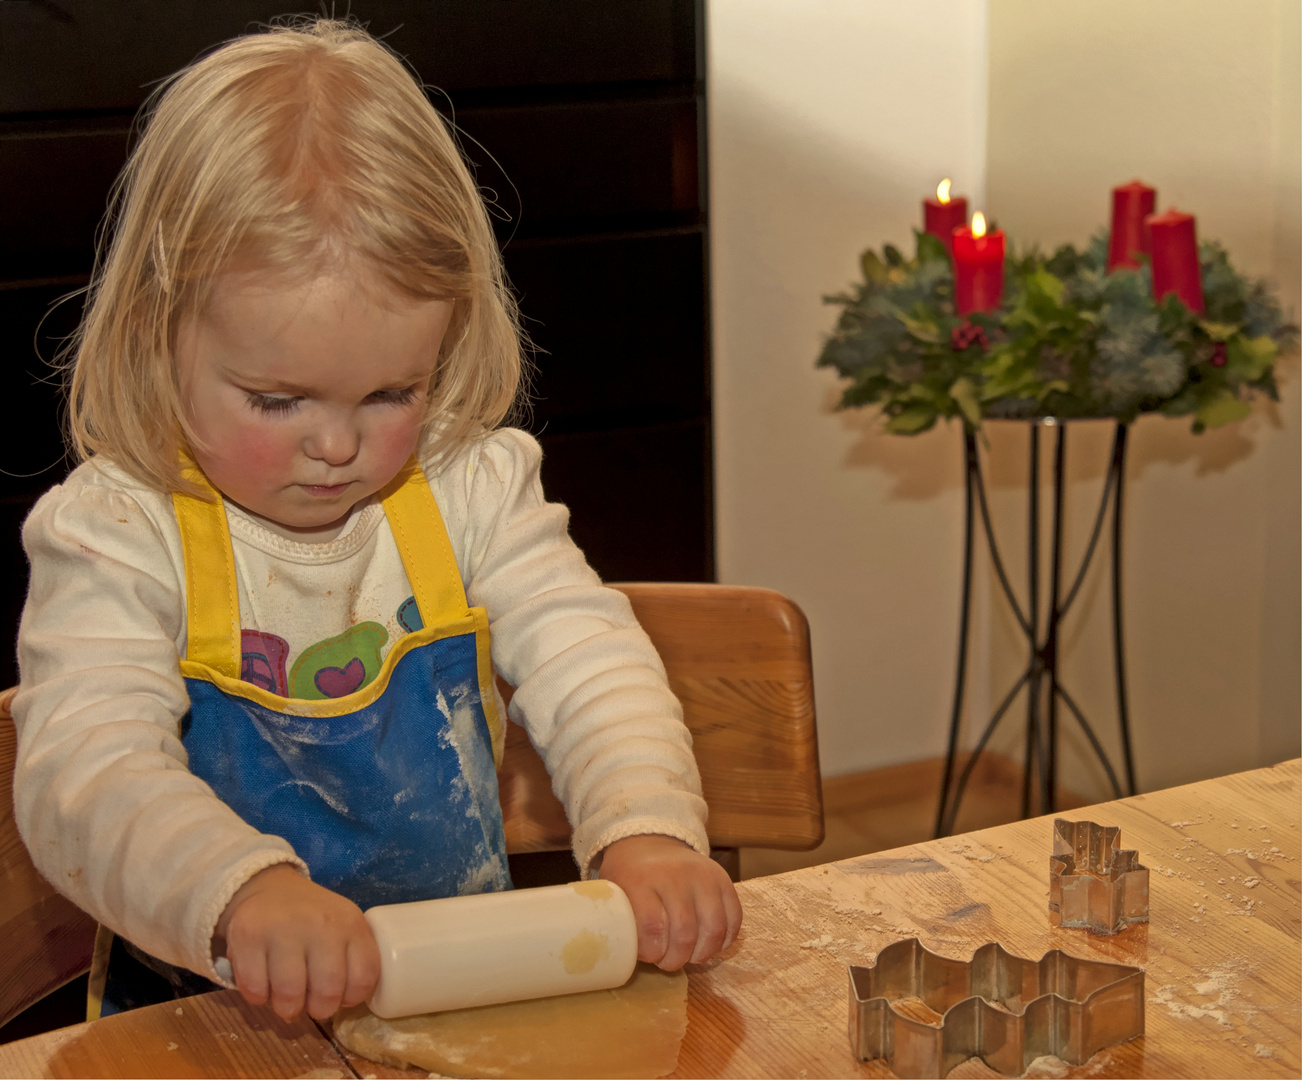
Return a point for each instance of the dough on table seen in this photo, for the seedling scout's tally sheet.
(632, 1031)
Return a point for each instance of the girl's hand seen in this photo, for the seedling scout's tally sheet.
(295, 943)
(685, 904)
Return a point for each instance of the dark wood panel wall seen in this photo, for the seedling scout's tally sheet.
(584, 120)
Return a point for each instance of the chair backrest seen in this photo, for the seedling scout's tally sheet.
(45, 940)
(739, 661)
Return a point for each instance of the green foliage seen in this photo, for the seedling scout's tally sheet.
(1070, 340)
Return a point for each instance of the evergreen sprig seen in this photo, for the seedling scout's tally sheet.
(1071, 341)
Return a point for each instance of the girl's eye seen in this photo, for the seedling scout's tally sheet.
(267, 404)
(404, 396)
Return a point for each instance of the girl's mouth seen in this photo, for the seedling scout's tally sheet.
(326, 491)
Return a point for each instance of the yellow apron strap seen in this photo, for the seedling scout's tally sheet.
(424, 546)
(99, 960)
(427, 556)
(212, 597)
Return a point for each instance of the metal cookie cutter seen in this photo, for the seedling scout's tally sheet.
(1002, 1008)
(1093, 884)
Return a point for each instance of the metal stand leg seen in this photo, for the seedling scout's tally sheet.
(969, 467)
(1050, 651)
(1041, 743)
(1118, 651)
(1033, 665)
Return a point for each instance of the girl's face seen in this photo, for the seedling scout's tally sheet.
(306, 398)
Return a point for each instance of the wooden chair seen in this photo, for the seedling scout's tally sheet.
(45, 940)
(738, 659)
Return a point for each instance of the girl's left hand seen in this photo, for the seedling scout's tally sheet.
(685, 904)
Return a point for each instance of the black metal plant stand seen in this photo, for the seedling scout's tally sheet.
(1041, 748)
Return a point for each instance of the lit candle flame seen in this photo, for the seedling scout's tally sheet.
(942, 191)
(978, 224)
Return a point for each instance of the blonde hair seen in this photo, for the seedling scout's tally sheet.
(286, 151)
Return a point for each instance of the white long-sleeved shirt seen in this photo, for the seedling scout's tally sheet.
(102, 795)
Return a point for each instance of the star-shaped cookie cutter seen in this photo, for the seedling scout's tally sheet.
(1004, 1009)
(1092, 883)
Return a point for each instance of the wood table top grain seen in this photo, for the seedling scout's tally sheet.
(1222, 952)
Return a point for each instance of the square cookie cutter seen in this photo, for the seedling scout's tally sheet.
(1004, 1009)
(1093, 885)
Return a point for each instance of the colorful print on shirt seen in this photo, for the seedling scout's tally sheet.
(409, 616)
(333, 668)
(262, 661)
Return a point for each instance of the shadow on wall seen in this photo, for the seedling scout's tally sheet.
(913, 475)
(810, 204)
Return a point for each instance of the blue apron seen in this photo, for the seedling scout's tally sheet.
(389, 793)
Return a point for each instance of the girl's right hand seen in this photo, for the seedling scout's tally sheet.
(297, 944)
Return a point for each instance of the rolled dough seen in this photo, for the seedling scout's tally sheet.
(632, 1031)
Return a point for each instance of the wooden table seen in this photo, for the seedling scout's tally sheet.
(1222, 954)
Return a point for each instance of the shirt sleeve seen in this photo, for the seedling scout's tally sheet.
(103, 797)
(591, 690)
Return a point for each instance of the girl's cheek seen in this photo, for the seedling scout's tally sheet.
(261, 447)
(397, 442)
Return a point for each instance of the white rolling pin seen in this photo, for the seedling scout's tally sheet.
(481, 950)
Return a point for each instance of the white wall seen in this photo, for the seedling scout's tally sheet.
(1201, 99)
(829, 122)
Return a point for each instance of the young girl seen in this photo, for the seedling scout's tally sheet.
(257, 680)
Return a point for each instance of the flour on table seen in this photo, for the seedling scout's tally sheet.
(855, 909)
(1047, 1066)
(973, 854)
(1220, 987)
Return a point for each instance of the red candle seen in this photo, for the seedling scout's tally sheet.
(1131, 203)
(978, 267)
(942, 215)
(1175, 258)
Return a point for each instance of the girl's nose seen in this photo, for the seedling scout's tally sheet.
(334, 442)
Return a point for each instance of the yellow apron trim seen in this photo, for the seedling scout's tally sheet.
(212, 599)
(213, 608)
(99, 961)
(424, 546)
(488, 694)
(471, 622)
